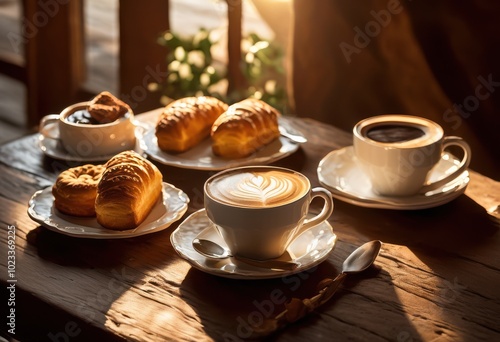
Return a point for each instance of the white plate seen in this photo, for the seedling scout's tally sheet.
(308, 250)
(200, 157)
(338, 172)
(54, 149)
(168, 209)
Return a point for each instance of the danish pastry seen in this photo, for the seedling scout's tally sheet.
(75, 190)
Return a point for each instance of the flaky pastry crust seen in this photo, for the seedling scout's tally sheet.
(128, 190)
(75, 190)
(244, 128)
(186, 122)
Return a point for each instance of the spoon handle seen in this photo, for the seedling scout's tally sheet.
(274, 264)
(293, 137)
(298, 308)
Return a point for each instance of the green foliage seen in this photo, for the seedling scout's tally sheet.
(192, 71)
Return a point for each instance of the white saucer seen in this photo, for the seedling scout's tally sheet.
(167, 210)
(338, 172)
(308, 250)
(200, 157)
(54, 149)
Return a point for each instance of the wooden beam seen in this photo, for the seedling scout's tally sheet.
(142, 59)
(236, 80)
(54, 55)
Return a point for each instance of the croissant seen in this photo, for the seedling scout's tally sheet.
(186, 122)
(244, 128)
(129, 188)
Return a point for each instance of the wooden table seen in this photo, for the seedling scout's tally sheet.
(436, 278)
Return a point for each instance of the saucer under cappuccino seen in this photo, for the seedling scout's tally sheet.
(260, 210)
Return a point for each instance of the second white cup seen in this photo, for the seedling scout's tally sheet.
(398, 152)
(90, 140)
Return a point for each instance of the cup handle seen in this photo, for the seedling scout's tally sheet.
(464, 163)
(323, 215)
(46, 120)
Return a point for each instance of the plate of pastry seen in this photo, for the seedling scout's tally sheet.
(123, 198)
(204, 133)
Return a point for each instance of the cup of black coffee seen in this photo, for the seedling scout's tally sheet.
(81, 136)
(398, 152)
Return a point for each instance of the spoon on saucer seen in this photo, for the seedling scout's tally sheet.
(213, 250)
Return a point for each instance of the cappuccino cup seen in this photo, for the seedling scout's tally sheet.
(260, 210)
(398, 152)
(82, 138)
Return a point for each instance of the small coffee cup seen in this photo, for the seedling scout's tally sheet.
(260, 210)
(398, 152)
(89, 140)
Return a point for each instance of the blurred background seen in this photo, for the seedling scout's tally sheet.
(334, 61)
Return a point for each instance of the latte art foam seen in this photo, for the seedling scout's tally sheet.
(258, 188)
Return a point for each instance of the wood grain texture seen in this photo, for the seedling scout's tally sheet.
(436, 279)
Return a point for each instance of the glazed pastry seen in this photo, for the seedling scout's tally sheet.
(186, 122)
(244, 128)
(106, 108)
(75, 190)
(129, 188)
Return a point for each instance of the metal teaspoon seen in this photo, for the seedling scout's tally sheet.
(358, 261)
(213, 250)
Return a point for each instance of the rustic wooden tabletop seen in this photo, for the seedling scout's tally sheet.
(436, 278)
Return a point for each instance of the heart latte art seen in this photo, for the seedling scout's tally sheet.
(258, 188)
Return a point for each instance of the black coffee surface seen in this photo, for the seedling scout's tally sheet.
(81, 117)
(394, 133)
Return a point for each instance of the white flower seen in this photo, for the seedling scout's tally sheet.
(270, 86)
(196, 58)
(204, 79)
(174, 66)
(185, 71)
(179, 53)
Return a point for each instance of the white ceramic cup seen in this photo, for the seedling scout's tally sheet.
(398, 152)
(89, 140)
(260, 210)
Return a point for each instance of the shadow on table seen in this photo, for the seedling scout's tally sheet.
(94, 273)
(228, 308)
(457, 246)
(456, 227)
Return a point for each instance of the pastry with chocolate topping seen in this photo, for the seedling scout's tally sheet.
(106, 108)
